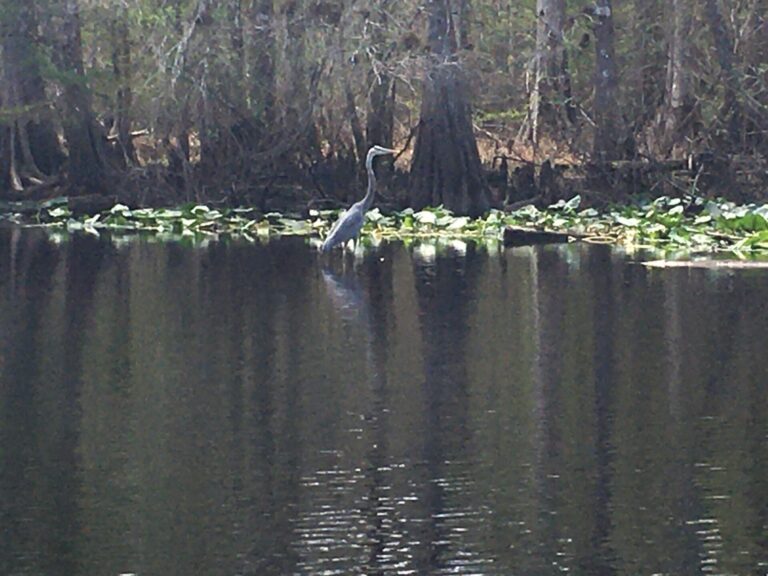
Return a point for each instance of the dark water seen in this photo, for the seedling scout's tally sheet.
(234, 409)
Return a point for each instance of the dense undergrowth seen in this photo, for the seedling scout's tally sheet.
(689, 224)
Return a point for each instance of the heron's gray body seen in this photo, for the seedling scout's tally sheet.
(351, 221)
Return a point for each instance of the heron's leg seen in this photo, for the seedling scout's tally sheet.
(344, 256)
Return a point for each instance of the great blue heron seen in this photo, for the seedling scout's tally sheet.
(349, 224)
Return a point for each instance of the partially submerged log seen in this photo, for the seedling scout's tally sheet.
(708, 264)
(519, 236)
(90, 204)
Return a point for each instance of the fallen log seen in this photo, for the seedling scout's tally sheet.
(90, 204)
(708, 264)
(519, 236)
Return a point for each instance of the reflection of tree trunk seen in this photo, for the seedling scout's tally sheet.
(445, 333)
(673, 338)
(377, 325)
(539, 388)
(32, 454)
(608, 131)
(446, 164)
(547, 376)
(604, 327)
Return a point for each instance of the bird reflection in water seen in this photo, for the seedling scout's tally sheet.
(346, 295)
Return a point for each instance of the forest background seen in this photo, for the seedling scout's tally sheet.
(275, 102)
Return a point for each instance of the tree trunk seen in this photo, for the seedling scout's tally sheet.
(237, 44)
(262, 81)
(16, 184)
(380, 119)
(298, 120)
(645, 63)
(354, 122)
(84, 139)
(121, 66)
(23, 89)
(679, 102)
(5, 153)
(238, 73)
(756, 35)
(608, 129)
(204, 47)
(551, 106)
(731, 110)
(177, 135)
(755, 55)
(446, 164)
(464, 27)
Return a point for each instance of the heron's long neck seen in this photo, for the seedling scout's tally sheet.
(368, 200)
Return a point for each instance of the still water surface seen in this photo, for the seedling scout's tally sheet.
(243, 409)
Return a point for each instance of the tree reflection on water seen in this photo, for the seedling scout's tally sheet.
(241, 408)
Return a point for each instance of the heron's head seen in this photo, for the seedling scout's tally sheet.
(379, 151)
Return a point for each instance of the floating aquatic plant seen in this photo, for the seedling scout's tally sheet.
(691, 224)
